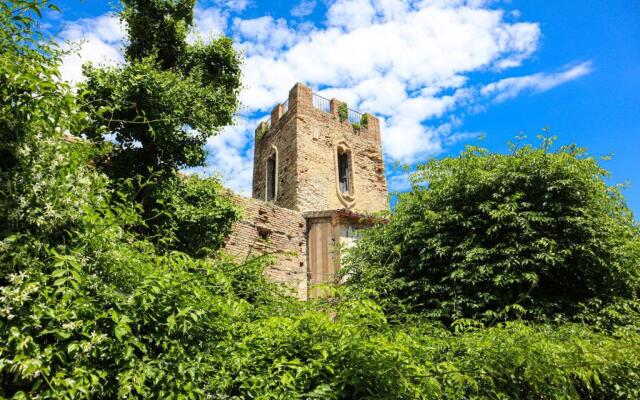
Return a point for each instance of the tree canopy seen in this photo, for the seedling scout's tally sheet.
(536, 233)
(160, 107)
(155, 112)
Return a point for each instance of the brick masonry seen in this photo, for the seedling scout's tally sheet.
(284, 145)
(269, 229)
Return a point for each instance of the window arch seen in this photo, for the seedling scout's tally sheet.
(271, 175)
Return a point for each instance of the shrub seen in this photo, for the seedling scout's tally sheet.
(192, 214)
(343, 112)
(533, 233)
(364, 121)
(90, 308)
(356, 353)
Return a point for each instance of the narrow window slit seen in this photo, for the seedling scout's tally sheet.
(271, 178)
(343, 172)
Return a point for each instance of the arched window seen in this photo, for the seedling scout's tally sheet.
(344, 175)
(344, 172)
(271, 181)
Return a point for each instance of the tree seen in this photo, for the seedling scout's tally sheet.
(89, 309)
(159, 108)
(168, 98)
(535, 232)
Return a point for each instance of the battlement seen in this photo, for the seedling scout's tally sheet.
(302, 98)
(316, 154)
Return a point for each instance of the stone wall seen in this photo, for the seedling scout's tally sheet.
(269, 229)
(305, 141)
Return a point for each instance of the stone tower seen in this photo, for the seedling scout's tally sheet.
(317, 174)
(316, 155)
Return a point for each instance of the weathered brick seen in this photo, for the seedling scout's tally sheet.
(284, 234)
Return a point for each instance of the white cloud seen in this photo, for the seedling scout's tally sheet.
(229, 158)
(107, 27)
(234, 5)
(263, 35)
(304, 8)
(508, 88)
(405, 61)
(96, 40)
(351, 14)
(461, 136)
(429, 47)
(208, 22)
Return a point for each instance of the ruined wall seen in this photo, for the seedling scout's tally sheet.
(269, 229)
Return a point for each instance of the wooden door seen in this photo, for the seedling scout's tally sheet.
(323, 260)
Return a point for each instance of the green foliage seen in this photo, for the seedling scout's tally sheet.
(87, 308)
(364, 121)
(357, 354)
(32, 97)
(363, 124)
(162, 105)
(158, 27)
(192, 214)
(34, 103)
(263, 130)
(111, 319)
(535, 233)
(617, 317)
(160, 108)
(343, 112)
(520, 361)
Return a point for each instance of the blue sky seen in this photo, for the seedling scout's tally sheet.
(440, 74)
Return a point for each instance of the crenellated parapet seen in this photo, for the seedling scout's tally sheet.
(302, 100)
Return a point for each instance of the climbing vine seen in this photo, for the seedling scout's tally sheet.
(343, 112)
(263, 129)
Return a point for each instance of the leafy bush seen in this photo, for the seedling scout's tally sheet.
(101, 317)
(35, 104)
(89, 309)
(357, 354)
(191, 214)
(533, 233)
